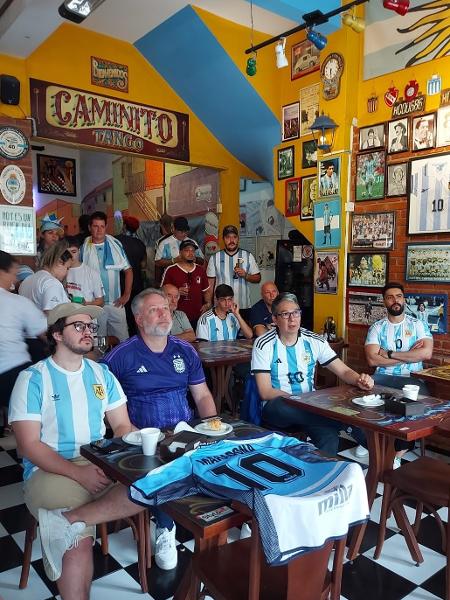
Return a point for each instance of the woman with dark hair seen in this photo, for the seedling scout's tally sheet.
(20, 319)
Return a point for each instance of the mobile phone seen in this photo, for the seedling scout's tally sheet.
(107, 446)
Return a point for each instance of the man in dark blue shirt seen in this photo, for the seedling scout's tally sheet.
(261, 312)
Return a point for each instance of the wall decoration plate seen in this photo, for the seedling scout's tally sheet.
(14, 144)
(13, 184)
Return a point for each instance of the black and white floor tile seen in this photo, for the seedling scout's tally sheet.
(393, 577)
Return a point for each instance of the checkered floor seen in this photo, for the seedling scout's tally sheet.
(392, 577)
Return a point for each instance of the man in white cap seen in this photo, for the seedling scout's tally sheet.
(50, 231)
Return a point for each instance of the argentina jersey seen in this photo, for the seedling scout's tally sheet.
(110, 277)
(429, 198)
(291, 368)
(214, 329)
(169, 247)
(398, 337)
(69, 405)
(221, 266)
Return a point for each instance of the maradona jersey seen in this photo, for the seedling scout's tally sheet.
(291, 368)
(299, 498)
(398, 337)
(213, 329)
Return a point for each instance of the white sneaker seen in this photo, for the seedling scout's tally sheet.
(397, 462)
(57, 536)
(246, 532)
(361, 452)
(166, 556)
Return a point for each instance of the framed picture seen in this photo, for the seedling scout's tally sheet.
(443, 127)
(398, 136)
(428, 262)
(56, 175)
(430, 308)
(309, 154)
(286, 162)
(370, 175)
(292, 197)
(290, 122)
(327, 223)
(305, 58)
(326, 272)
(308, 197)
(423, 132)
(367, 269)
(372, 137)
(18, 229)
(428, 210)
(373, 231)
(242, 184)
(309, 107)
(364, 308)
(396, 178)
(329, 177)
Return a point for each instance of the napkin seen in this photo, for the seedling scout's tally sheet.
(369, 399)
(183, 426)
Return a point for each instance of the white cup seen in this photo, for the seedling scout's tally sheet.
(149, 437)
(410, 391)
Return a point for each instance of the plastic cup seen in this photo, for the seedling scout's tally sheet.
(149, 437)
(410, 391)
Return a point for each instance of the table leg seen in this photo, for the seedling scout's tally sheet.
(142, 542)
(215, 379)
(226, 384)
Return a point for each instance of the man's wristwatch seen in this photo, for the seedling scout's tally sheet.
(389, 353)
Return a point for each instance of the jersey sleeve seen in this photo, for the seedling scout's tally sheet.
(423, 330)
(204, 281)
(372, 335)
(53, 294)
(115, 394)
(26, 399)
(211, 268)
(256, 315)
(326, 353)
(185, 323)
(34, 320)
(202, 332)
(253, 267)
(261, 357)
(159, 250)
(166, 277)
(196, 374)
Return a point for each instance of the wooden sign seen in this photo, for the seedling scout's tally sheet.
(105, 73)
(408, 107)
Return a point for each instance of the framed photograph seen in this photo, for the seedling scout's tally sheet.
(423, 132)
(309, 154)
(18, 229)
(327, 223)
(326, 272)
(308, 197)
(428, 262)
(443, 127)
(367, 269)
(428, 210)
(286, 162)
(370, 168)
(290, 122)
(364, 308)
(309, 107)
(396, 179)
(56, 175)
(372, 137)
(329, 177)
(305, 58)
(292, 197)
(373, 231)
(398, 136)
(430, 308)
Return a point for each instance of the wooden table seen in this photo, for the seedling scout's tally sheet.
(437, 380)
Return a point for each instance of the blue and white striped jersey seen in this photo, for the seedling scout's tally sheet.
(169, 247)
(210, 327)
(291, 368)
(221, 266)
(70, 405)
(398, 337)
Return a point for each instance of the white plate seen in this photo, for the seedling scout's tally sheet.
(368, 403)
(203, 428)
(134, 438)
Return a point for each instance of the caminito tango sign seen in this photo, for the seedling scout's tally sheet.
(81, 117)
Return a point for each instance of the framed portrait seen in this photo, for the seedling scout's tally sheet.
(443, 127)
(372, 137)
(364, 308)
(292, 197)
(396, 179)
(309, 107)
(428, 210)
(290, 122)
(398, 136)
(370, 168)
(428, 262)
(329, 177)
(373, 231)
(367, 269)
(56, 175)
(286, 162)
(430, 308)
(308, 197)
(326, 272)
(305, 58)
(327, 223)
(309, 154)
(423, 132)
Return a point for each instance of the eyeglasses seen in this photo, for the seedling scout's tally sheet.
(287, 314)
(81, 327)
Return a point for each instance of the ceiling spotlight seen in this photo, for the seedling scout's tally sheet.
(282, 61)
(316, 38)
(401, 7)
(353, 22)
(77, 10)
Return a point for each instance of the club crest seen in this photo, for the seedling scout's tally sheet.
(99, 391)
(178, 364)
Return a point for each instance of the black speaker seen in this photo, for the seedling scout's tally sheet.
(9, 89)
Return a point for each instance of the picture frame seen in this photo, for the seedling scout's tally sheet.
(242, 184)
(326, 270)
(285, 161)
(367, 269)
(373, 231)
(428, 262)
(370, 175)
(443, 127)
(364, 308)
(396, 179)
(290, 121)
(329, 173)
(327, 224)
(423, 132)
(309, 107)
(305, 58)
(309, 154)
(372, 137)
(308, 197)
(428, 210)
(292, 197)
(56, 175)
(398, 136)
(430, 308)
